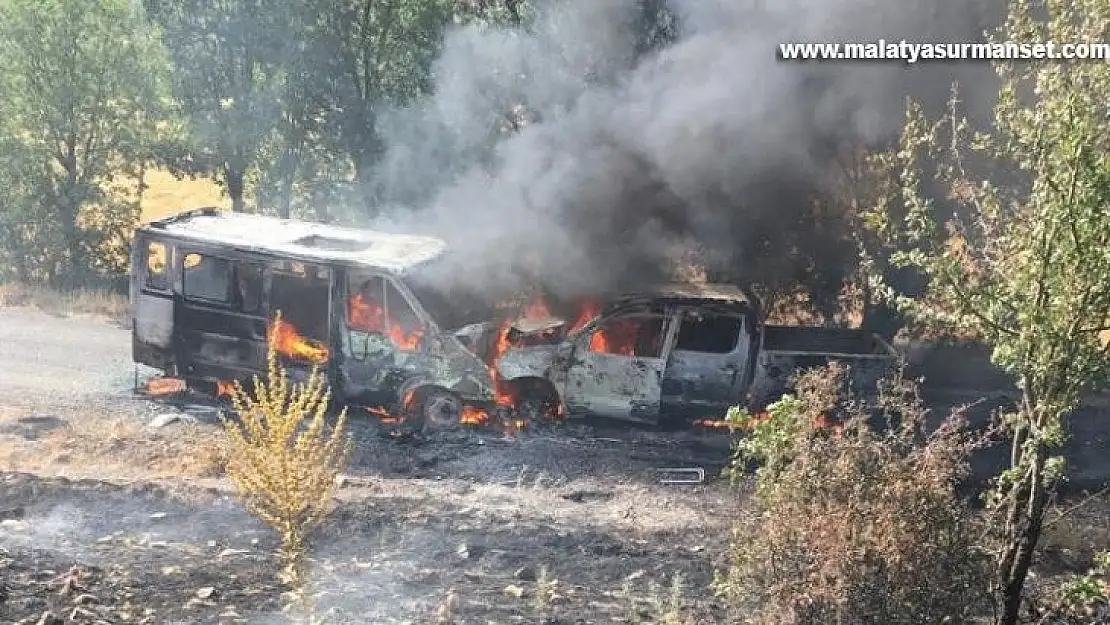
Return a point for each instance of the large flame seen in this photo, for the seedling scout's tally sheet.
(503, 396)
(370, 316)
(587, 311)
(288, 341)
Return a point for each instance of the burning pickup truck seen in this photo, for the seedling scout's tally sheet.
(680, 352)
(382, 317)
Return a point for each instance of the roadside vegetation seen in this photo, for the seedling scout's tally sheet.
(1023, 262)
(1022, 266)
(856, 517)
(286, 458)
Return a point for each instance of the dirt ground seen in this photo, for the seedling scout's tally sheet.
(114, 509)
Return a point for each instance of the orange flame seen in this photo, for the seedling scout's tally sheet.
(387, 417)
(161, 386)
(617, 338)
(288, 341)
(370, 316)
(759, 417)
(717, 423)
(502, 394)
(224, 389)
(537, 308)
(589, 310)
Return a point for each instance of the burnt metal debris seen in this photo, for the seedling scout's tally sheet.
(360, 307)
(678, 475)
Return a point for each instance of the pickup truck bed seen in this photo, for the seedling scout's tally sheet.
(789, 349)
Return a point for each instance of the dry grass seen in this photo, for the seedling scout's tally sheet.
(119, 449)
(94, 302)
(166, 195)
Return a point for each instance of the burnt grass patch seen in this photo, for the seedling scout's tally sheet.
(91, 551)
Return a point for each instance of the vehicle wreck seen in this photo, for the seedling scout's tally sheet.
(681, 352)
(206, 286)
(382, 317)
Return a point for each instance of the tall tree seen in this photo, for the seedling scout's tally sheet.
(1026, 267)
(384, 52)
(227, 78)
(82, 103)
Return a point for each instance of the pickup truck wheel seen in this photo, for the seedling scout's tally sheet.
(438, 410)
(538, 403)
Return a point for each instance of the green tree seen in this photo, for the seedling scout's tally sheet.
(83, 101)
(1024, 262)
(344, 62)
(384, 52)
(228, 78)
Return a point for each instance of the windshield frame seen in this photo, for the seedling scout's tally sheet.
(447, 301)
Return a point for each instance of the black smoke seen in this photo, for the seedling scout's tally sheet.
(621, 156)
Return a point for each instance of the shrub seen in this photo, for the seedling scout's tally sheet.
(854, 521)
(1080, 599)
(283, 458)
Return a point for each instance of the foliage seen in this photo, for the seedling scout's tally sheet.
(84, 97)
(355, 59)
(1023, 262)
(1081, 598)
(226, 77)
(287, 470)
(856, 519)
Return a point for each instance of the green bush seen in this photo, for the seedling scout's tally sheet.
(854, 523)
(1081, 599)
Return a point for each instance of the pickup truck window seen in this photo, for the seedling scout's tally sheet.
(405, 328)
(638, 335)
(708, 332)
(248, 281)
(207, 278)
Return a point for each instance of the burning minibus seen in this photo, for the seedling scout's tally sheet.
(210, 290)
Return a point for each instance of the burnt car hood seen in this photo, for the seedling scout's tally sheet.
(522, 362)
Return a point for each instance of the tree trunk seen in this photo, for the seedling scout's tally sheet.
(70, 210)
(235, 177)
(288, 174)
(1023, 526)
(142, 186)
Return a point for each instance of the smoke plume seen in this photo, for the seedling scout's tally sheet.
(618, 156)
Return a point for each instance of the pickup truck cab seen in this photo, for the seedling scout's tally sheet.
(681, 352)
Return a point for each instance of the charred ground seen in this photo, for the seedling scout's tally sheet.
(449, 528)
